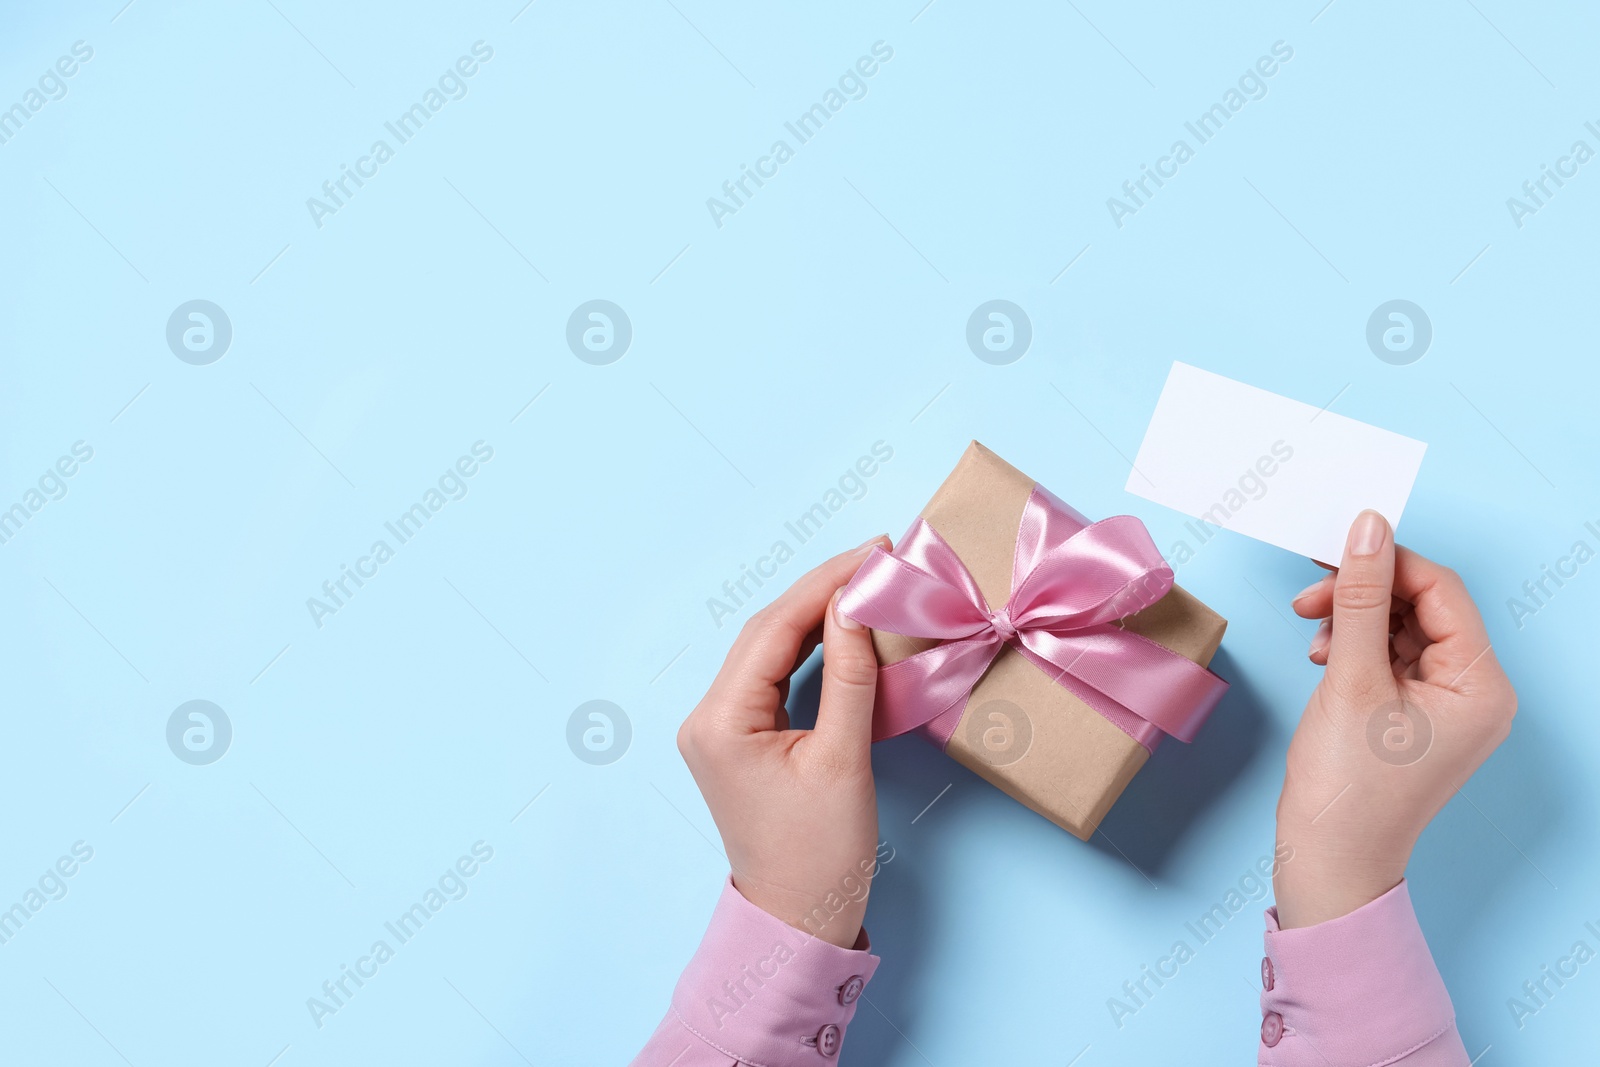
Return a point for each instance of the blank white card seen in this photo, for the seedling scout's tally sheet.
(1271, 468)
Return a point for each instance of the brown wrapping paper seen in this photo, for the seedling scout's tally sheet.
(1020, 730)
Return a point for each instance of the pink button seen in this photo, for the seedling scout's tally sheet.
(851, 989)
(1271, 1029)
(828, 1040)
(1266, 974)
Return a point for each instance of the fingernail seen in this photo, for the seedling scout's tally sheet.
(1308, 590)
(845, 622)
(1366, 536)
(1319, 643)
(867, 545)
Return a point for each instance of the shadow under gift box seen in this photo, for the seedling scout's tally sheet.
(1060, 757)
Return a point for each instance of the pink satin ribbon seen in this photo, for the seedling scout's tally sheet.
(1071, 581)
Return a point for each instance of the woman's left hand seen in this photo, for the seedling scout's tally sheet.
(797, 809)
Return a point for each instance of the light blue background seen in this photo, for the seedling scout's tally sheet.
(768, 354)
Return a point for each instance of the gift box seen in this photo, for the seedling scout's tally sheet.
(1056, 691)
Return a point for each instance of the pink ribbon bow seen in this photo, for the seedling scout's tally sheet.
(1071, 582)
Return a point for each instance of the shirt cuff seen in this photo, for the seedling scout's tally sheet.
(768, 994)
(1357, 991)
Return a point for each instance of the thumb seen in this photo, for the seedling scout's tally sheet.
(1358, 654)
(849, 684)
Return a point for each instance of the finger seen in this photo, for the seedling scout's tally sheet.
(1448, 627)
(1415, 578)
(849, 683)
(1444, 608)
(1444, 615)
(1409, 642)
(1403, 670)
(764, 652)
(1358, 652)
(808, 646)
(1318, 652)
(1315, 601)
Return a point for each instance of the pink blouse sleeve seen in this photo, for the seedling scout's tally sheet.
(1357, 991)
(758, 991)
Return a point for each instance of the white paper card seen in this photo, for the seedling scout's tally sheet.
(1271, 468)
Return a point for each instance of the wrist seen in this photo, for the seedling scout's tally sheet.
(831, 916)
(1326, 882)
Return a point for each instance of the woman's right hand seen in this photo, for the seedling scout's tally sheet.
(1412, 702)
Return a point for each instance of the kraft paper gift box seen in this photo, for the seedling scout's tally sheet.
(1074, 763)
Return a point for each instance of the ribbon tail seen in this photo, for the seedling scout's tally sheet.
(923, 690)
(1142, 688)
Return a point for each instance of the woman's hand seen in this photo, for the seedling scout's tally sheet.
(796, 808)
(1412, 702)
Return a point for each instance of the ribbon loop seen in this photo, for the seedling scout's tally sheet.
(1072, 582)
